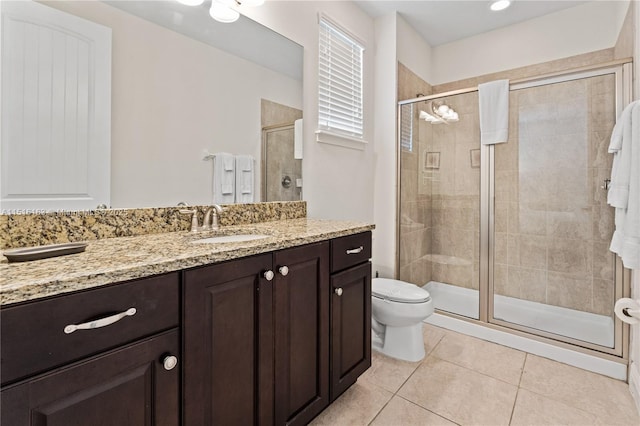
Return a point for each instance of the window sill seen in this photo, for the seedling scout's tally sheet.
(331, 138)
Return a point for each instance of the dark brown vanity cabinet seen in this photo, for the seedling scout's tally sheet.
(350, 310)
(256, 339)
(269, 339)
(113, 370)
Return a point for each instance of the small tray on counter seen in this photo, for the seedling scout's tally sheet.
(43, 252)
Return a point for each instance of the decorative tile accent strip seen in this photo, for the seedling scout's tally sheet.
(36, 229)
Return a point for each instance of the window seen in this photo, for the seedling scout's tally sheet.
(340, 84)
(406, 127)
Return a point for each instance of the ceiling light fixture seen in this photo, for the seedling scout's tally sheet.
(439, 114)
(500, 5)
(224, 10)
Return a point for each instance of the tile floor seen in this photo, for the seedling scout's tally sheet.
(467, 381)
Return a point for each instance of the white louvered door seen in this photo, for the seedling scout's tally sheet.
(56, 109)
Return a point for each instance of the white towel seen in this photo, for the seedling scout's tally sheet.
(223, 178)
(626, 178)
(494, 111)
(244, 179)
(620, 173)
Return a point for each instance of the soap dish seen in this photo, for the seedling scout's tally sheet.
(43, 252)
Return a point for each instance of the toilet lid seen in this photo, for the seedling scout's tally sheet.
(398, 291)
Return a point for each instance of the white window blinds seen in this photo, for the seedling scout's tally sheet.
(340, 82)
(406, 127)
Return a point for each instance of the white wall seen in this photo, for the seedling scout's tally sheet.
(385, 181)
(396, 41)
(581, 29)
(413, 51)
(173, 97)
(338, 182)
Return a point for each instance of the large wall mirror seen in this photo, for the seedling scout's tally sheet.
(182, 87)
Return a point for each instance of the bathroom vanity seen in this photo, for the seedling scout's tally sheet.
(267, 332)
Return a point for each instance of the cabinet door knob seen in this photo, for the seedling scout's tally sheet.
(169, 362)
(268, 275)
(284, 270)
(338, 291)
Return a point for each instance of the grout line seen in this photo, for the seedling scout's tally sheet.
(380, 410)
(424, 408)
(476, 371)
(523, 365)
(410, 376)
(444, 334)
(515, 401)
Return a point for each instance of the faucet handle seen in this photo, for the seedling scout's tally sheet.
(194, 218)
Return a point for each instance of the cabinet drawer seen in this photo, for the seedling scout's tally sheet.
(33, 336)
(350, 250)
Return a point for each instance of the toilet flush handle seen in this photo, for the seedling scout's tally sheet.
(338, 291)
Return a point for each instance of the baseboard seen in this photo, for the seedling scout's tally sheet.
(592, 363)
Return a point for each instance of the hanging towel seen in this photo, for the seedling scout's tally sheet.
(244, 179)
(494, 111)
(223, 178)
(625, 179)
(619, 187)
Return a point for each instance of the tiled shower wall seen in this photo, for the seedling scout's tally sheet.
(415, 202)
(455, 194)
(552, 223)
(555, 252)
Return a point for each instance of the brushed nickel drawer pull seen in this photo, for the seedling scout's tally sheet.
(355, 250)
(102, 322)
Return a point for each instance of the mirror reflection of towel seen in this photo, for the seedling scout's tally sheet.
(223, 178)
(244, 179)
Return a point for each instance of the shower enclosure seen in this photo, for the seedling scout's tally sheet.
(516, 235)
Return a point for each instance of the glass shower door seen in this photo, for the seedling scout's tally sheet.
(553, 274)
(440, 203)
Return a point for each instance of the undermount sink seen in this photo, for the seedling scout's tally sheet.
(230, 239)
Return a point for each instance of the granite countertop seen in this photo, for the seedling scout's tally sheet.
(113, 260)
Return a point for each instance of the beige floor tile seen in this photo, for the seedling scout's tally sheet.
(459, 394)
(484, 357)
(388, 373)
(357, 406)
(533, 409)
(402, 412)
(432, 336)
(608, 399)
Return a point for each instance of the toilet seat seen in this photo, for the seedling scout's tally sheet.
(398, 291)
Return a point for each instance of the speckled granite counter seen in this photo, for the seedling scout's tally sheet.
(113, 260)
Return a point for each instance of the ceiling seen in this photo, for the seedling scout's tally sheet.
(440, 22)
(246, 38)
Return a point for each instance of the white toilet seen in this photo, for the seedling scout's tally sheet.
(397, 311)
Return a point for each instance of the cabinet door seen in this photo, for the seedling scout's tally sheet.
(125, 387)
(301, 308)
(350, 327)
(228, 344)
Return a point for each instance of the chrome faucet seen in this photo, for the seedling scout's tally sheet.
(195, 227)
(210, 220)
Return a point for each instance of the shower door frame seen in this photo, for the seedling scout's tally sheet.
(622, 69)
